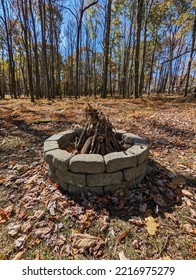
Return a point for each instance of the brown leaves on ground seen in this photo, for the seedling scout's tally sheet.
(156, 220)
(6, 213)
(81, 242)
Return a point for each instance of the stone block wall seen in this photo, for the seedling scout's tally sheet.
(93, 172)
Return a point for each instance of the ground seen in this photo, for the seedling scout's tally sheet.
(154, 221)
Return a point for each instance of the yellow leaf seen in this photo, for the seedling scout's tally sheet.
(165, 258)
(151, 225)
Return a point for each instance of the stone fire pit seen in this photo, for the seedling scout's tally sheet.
(93, 172)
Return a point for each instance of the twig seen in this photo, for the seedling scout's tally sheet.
(164, 247)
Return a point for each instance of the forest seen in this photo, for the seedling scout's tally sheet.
(97, 131)
(118, 48)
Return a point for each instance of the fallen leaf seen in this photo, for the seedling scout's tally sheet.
(20, 242)
(143, 207)
(188, 228)
(123, 235)
(37, 255)
(88, 218)
(13, 229)
(2, 181)
(18, 256)
(84, 241)
(41, 232)
(136, 221)
(9, 210)
(158, 199)
(171, 217)
(32, 179)
(194, 248)
(121, 204)
(136, 244)
(37, 241)
(165, 258)
(193, 213)
(179, 181)
(122, 256)
(39, 214)
(52, 207)
(22, 214)
(26, 226)
(103, 222)
(189, 219)
(188, 194)
(19, 181)
(3, 216)
(151, 225)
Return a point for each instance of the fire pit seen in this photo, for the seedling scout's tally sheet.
(94, 172)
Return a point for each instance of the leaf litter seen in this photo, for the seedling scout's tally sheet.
(34, 212)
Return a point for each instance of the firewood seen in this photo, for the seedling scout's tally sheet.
(98, 135)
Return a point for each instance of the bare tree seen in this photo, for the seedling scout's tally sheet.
(106, 49)
(191, 56)
(137, 47)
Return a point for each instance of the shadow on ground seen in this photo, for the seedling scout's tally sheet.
(156, 195)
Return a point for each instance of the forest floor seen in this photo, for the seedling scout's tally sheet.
(157, 220)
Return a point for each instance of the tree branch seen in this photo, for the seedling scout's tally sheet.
(87, 7)
(70, 11)
(168, 60)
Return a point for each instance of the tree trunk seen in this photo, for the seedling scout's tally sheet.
(42, 13)
(106, 49)
(137, 47)
(141, 85)
(12, 80)
(35, 47)
(191, 56)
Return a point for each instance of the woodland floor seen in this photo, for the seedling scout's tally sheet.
(157, 220)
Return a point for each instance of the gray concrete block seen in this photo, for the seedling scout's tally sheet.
(87, 163)
(132, 173)
(50, 145)
(119, 160)
(64, 186)
(52, 176)
(73, 189)
(61, 159)
(95, 190)
(104, 179)
(66, 137)
(141, 151)
(139, 179)
(130, 138)
(71, 178)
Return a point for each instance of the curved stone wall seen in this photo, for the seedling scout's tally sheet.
(93, 172)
